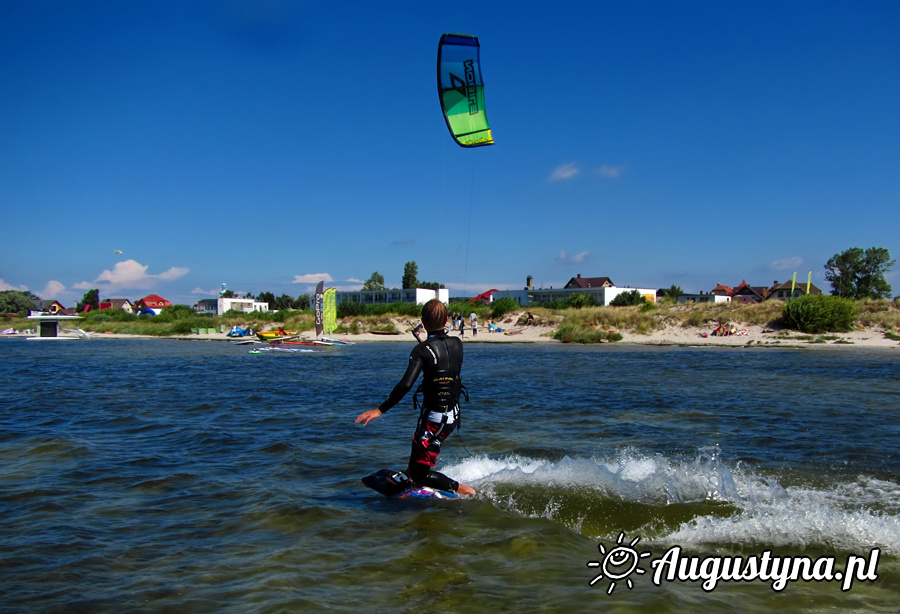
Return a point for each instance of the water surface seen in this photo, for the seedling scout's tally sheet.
(161, 475)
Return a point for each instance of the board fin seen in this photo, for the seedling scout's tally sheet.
(388, 482)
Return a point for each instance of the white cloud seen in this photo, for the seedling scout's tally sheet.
(52, 290)
(356, 281)
(131, 274)
(786, 264)
(564, 172)
(199, 290)
(578, 258)
(610, 172)
(311, 278)
(6, 286)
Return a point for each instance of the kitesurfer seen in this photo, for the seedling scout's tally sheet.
(440, 358)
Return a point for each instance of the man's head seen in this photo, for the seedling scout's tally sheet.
(434, 315)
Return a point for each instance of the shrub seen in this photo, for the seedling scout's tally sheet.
(503, 306)
(113, 314)
(572, 333)
(577, 301)
(633, 297)
(173, 313)
(349, 309)
(819, 314)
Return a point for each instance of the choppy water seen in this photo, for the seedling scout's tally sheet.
(158, 475)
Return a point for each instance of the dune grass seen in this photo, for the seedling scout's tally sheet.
(582, 325)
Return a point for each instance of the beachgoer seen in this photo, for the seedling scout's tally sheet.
(490, 325)
(440, 358)
(474, 320)
(462, 327)
(530, 319)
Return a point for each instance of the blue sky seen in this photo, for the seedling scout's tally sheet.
(270, 144)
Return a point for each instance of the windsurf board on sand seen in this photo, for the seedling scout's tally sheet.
(397, 484)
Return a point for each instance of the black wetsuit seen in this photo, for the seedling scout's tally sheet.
(440, 358)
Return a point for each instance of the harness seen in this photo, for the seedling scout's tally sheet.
(440, 393)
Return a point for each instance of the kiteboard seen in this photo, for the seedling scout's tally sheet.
(397, 485)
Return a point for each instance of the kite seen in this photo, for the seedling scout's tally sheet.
(118, 251)
(461, 90)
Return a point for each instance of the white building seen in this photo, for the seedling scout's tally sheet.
(418, 296)
(704, 298)
(601, 289)
(218, 306)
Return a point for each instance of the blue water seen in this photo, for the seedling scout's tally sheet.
(191, 476)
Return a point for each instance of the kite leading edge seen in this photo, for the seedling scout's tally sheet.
(461, 90)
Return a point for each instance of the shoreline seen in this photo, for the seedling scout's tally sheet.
(756, 336)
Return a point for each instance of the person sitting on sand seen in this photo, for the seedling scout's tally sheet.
(439, 358)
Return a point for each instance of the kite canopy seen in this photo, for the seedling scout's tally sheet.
(462, 91)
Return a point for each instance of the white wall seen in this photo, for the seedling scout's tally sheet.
(240, 304)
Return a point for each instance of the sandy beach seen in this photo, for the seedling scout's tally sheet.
(680, 336)
(751, 336)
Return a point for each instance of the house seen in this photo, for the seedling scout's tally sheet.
(721, 290)
(783, 291)
(589, 282)
(704, 297)
(745, 293)
(484, 297)
(218, 306)
(117, 303)
(51, 307)
(152, 304)
(601, 289)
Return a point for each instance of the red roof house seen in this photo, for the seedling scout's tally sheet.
(152, 301)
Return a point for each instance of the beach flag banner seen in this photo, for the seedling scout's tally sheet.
(329, 310)
(319, 321)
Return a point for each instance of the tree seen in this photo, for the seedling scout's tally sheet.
(375, 282)
(17, 301)
(632, 297)
(266, 297)
(674, 292)
(579, 300)
(302, 302)
(282, 302)
(857, 273)
(410, 275)
(90, 299)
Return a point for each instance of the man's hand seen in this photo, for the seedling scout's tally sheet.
(366, 416)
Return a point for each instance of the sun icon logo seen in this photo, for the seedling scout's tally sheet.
(619, 563)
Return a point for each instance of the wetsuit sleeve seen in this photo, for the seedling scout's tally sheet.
(406, 382)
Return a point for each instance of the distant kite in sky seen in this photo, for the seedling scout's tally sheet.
(118, 251)
(462, 91)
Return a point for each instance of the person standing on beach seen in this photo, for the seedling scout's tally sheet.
(439, 358)
(462, 326)
(474, 319)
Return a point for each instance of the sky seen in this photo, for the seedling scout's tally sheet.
(268, 145)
